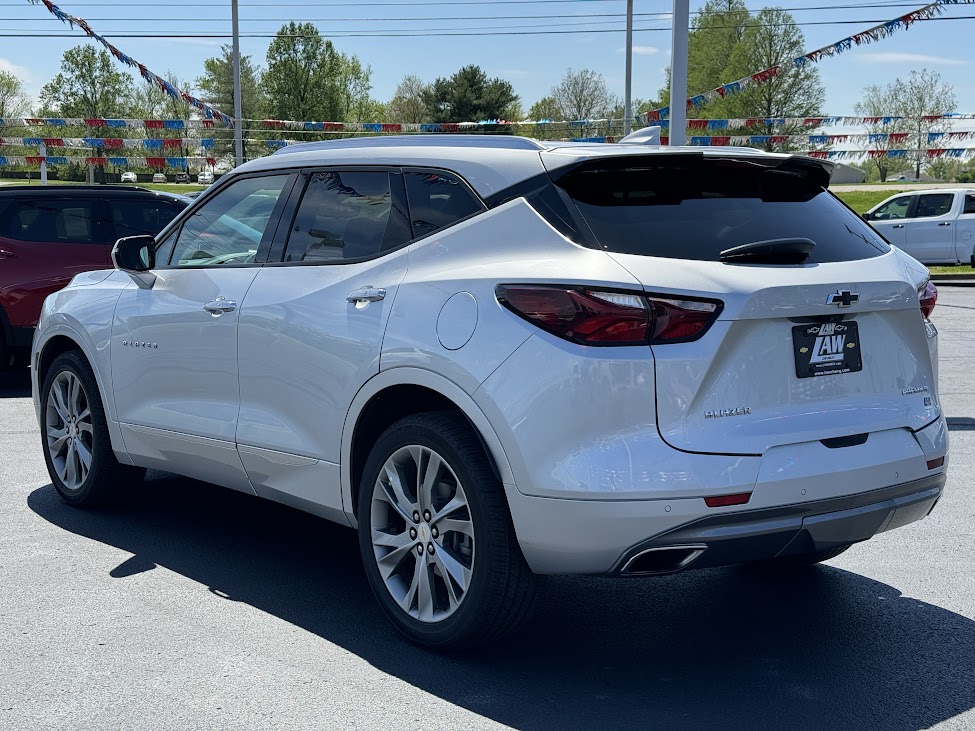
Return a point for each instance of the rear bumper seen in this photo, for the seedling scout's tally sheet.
(603, 537)
(793, 530)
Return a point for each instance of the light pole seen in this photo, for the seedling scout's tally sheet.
(238, 122)
(627, 103)
(678, 72)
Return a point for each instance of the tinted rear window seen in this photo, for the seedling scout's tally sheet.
(695, 208)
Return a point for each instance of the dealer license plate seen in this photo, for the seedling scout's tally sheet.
(826, 349)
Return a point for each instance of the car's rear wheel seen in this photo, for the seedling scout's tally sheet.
(436, 537)
(77, 446)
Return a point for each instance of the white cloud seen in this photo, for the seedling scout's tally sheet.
(641, 50)
(20, 72)
(908, 58)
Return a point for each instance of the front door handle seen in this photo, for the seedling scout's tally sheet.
(364, 295)
(945, 223)
(898, 225)
(219, 306)
(5, 254)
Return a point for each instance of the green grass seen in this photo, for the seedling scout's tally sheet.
(952, 270)
(862, 201)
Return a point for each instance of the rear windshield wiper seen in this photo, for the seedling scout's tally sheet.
(772, 251)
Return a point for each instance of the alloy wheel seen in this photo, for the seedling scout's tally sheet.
(69, 430)
(422, 533)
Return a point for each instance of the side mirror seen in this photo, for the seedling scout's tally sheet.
(867, 216)
(135, 254)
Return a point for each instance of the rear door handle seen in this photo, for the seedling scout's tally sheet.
(898, 225)
(219, 306)
(945, 223)
(365, 295)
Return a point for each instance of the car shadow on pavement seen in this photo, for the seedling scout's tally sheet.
(732, 648)
(15, 384)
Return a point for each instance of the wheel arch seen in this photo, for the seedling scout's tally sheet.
(399, 392)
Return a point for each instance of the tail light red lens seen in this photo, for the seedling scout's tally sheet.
(928, 295)
(593, 317)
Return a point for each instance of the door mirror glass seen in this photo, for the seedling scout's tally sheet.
(135, 253)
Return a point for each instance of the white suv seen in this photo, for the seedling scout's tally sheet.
(501, 358)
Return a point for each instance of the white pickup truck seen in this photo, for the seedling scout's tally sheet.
(933, 226)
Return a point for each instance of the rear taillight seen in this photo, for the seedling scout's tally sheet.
(928, 295)
(595, 317)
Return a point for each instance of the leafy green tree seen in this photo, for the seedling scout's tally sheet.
(469, 96)
(302, 77)
(727, 44)
(409, 102)
(216, 87)
(14, 100)
(89, 85)
(772, 39)
(352, 83)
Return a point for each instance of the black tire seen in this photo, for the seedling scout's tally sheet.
(106, 477)
(502, 589)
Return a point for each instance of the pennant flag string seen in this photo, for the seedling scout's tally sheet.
(150, 162)
(871, 35)
(149, 76)
(106, 142)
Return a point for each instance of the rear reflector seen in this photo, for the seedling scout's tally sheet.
(722, 501)
(934, 464)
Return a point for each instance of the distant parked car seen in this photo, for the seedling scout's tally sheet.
(182, 177)
(935, 227)
(129, 177)
(50, 234)
(205, 177)
(159, 178)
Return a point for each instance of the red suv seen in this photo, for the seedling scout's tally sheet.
(49, 234)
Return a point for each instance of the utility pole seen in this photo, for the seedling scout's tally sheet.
(627, 103)
(678, 72)
(238, 122)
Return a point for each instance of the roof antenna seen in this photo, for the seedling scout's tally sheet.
(645, 136)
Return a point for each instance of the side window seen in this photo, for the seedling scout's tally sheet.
(345, 215)
(969, 204)
(934, 204)
(140, 216)
(51, 221)
(164, 249)
(437, 201)
(229, 227)
(896, 208)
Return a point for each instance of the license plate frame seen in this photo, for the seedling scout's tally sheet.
(827, 349)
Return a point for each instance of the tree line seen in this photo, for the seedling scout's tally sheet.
(306, 77)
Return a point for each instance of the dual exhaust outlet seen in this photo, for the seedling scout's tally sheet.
(662, 560)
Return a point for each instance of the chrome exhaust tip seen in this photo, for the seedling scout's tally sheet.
(662, 560)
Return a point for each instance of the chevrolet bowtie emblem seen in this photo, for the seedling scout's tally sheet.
(843, 298)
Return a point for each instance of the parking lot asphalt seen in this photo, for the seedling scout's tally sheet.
(193, 607)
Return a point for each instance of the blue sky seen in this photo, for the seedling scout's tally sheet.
(533, 63)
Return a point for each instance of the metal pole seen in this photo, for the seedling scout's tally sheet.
(238, 126)
(43, 154)
(678, 72)
(627, 108)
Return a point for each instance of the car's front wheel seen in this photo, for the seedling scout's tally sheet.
(436, 537)
(77, 446)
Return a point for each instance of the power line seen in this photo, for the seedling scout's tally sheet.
(333, 19)
(426, 33)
